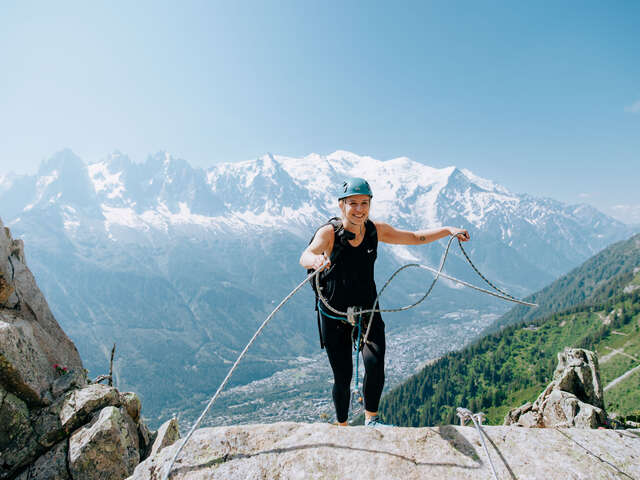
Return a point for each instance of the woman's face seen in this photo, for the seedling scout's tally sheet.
(355, 209)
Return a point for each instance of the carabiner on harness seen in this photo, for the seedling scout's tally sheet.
(357, 401)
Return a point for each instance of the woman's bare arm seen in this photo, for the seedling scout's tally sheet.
(389, 234)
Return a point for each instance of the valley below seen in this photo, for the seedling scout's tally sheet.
(301, 392)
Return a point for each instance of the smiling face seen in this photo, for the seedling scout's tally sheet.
(355, 209)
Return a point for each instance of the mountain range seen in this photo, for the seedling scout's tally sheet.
(178, 265)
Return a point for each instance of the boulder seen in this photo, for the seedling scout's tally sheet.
(78, 404)
(24, 370)
(565, 409)
(50, 466)
(54, 343)
(64, 383)
(8, 297)
(17, 439)
(42, 406)
(106, 448)
(578, 372)
(573, 399)
(131, 403)
(8, 246)
(146, 439)
(168, 433)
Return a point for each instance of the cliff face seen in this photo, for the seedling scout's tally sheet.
(55, 423)
(322, 451)
(31, 341)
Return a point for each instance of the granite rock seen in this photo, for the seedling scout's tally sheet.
(168, 433)
(106, 448)
(323, 451)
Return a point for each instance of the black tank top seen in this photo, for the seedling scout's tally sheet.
(350, 280)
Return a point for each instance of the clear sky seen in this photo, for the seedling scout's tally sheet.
(542, 97)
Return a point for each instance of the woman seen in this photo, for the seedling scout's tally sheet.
(346, 249)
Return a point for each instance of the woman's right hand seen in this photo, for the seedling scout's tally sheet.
(320, 262)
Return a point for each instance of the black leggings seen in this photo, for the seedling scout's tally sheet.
(336, 336)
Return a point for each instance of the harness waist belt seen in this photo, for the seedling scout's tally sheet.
(328, 315)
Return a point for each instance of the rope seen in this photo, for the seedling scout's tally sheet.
(373, 310)
(465, 414)
(484, 278)
(444, 258)
(502, 295)
(594, 455)
(226, 379)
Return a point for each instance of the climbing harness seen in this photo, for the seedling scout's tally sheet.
(465, 415)
(341, 242)
(350, 317)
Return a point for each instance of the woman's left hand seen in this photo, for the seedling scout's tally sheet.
(461, 233)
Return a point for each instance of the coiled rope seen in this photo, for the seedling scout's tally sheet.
(438, 273)
(500, 294)
(372, 311)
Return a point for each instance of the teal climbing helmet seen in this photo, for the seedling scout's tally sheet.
(355, 186)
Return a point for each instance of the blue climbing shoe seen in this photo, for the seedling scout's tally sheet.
(375, 422)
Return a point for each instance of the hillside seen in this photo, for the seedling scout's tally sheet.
(507, 368)
(590, 282)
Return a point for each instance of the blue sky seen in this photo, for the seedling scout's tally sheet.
(542, 97)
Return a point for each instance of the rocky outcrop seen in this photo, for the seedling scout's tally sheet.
(105, 448)
(31, 341)
(50, 466)
(573, 399)
(55, 424)
(167, 435)
(80, 403)
(323, 451)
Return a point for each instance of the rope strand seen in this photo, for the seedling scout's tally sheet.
(226, 379)
(465, 414)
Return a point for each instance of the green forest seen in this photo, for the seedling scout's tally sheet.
(509, 367)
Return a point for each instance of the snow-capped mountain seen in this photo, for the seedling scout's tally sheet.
(178, 265)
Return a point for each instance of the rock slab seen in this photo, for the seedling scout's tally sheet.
(322, 451)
